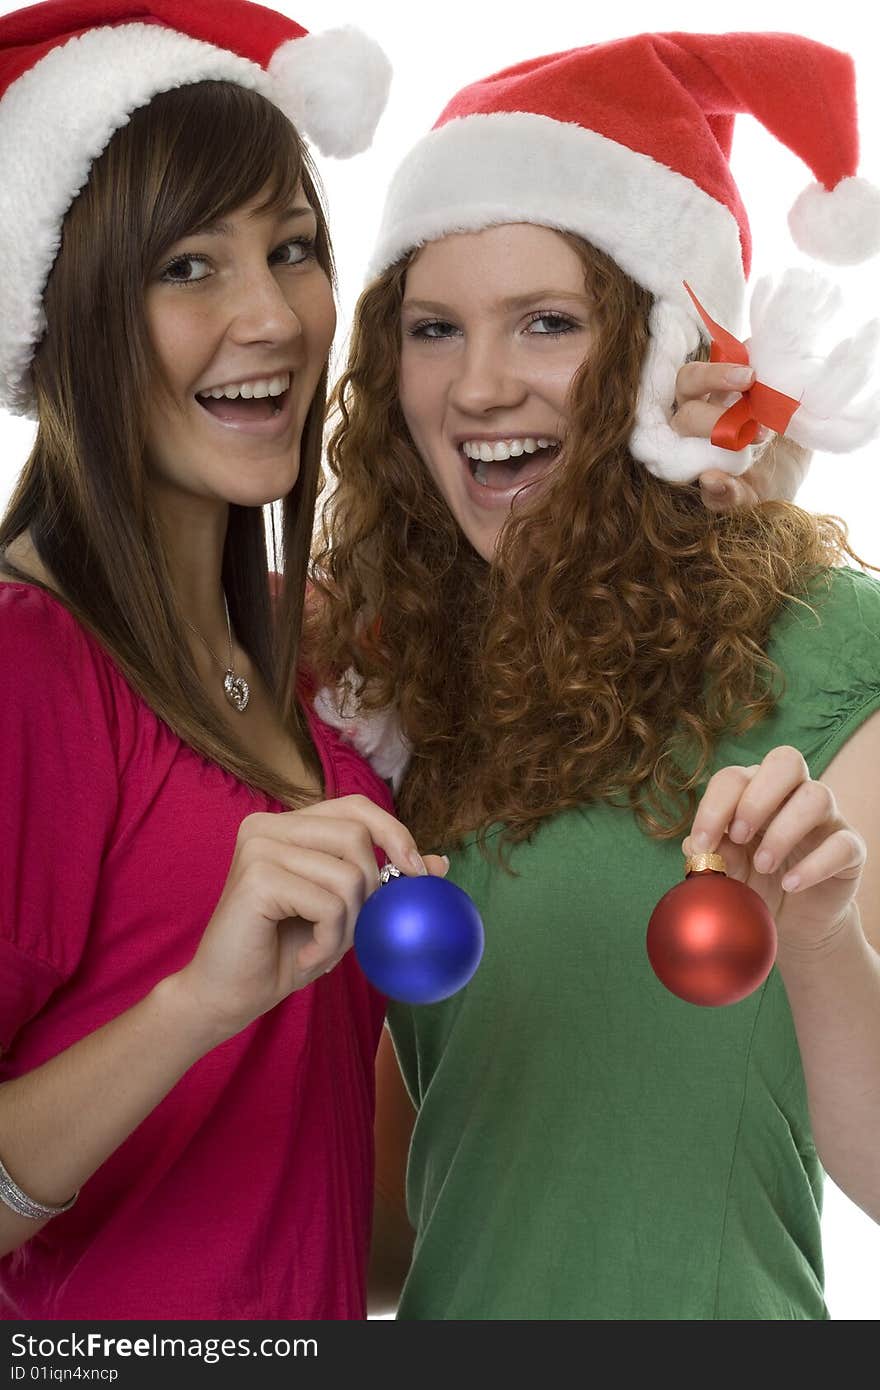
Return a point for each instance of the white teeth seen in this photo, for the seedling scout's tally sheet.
(502, 449)
(249, 390)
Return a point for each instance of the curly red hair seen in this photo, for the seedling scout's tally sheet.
(618, 631)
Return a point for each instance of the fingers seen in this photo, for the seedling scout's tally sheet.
(383, 829)
(721, 492)
(312, 870)
(842, 854)
(737, 797)
(698, 418)
(703, 392)
(696, 380)
(723, 794)
(778, 798)
(437, 864)
(810, 806)
(315, 923)
(349, 826)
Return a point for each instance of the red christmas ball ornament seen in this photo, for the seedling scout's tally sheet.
(711, 939)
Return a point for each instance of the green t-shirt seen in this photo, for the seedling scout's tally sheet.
(587, 1145)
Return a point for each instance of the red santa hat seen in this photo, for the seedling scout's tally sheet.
(627, 144)
(73, 71)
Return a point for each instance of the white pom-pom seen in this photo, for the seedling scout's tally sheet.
(842, 226)
(333, 86)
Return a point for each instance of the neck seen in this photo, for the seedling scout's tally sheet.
(193, 534)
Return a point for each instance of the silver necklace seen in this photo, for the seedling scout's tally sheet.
(235, 688)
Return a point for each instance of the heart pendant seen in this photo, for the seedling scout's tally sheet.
(237, 691)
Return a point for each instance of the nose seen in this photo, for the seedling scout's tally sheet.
(485, 377)
(260, 312)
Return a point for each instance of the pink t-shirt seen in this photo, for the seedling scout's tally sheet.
(247, 1192)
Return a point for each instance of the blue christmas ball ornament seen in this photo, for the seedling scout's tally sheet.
(418, 940)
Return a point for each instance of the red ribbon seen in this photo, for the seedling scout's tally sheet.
(760, 405)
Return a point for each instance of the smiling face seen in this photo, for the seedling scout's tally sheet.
(241, 318)
(494, 326)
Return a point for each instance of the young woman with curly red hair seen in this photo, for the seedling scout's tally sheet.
(571, 674)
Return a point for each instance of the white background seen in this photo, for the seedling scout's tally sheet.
(435, 50)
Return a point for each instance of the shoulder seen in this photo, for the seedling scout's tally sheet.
(830, 661)
(844, 600)
(834, 643)
(60, 674)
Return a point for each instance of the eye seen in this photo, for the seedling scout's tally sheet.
(432, 330)
(555, 325)
(300, 249)
(176, 272)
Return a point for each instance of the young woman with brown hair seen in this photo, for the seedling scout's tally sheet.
(186, 1037)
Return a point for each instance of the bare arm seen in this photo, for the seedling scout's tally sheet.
(826, 831)
(61, 1121)
(834, 994)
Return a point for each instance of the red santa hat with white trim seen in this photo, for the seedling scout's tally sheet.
(73, 71)
(628, 144)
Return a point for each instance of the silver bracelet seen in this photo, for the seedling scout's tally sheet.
(20, 1202)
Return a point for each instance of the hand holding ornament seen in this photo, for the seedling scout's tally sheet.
(287, 913)
(780, 832)
(780, 836)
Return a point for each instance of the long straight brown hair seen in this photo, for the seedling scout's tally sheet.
(186, 159)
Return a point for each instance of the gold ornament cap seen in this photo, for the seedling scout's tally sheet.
(699, 863)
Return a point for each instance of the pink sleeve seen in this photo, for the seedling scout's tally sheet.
(58, 797)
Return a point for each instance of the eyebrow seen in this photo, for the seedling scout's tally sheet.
(223, 228)
(518, 301)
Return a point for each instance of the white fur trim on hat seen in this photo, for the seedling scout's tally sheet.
(333, 86)
(484, 170)
(658, 226)
(376, 735)
(57, 118)
(840, 225)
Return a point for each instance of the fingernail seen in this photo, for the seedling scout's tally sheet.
(738, 376)
(445, 858)
(763, 435)
(716, 487)
(415, 861)
(740, 830)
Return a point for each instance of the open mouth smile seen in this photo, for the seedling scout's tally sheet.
(496, 470)
(260, 406)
